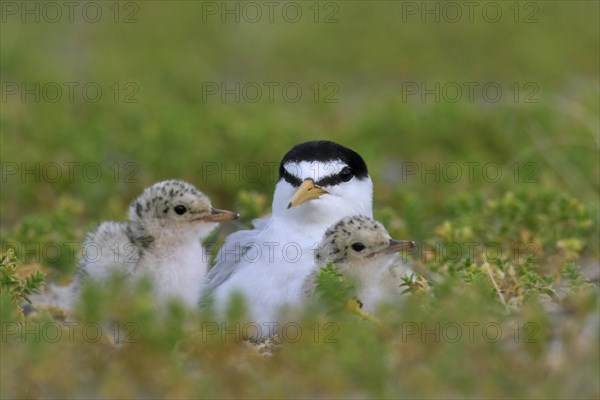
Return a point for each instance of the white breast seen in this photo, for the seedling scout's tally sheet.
(176, 274)
(270, 275)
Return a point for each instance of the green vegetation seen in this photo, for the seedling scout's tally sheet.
(501, 196)
(332, 289)
(15, 290)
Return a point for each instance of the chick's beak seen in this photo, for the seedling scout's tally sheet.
(307, 191)
(399, 245)
(217, 215)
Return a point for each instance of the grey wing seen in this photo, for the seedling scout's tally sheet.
(231, 254)
(261, 223)
(107, 247)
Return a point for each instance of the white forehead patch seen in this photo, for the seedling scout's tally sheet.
(315, 170)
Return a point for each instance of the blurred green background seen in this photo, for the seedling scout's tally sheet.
(380, 77)
(371, 55)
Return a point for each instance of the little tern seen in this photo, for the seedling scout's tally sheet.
(161, 240)
(319, 183)
(364, 253)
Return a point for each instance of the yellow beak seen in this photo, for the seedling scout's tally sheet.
(307, 191)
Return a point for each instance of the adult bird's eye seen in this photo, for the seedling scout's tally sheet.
(180, 210)
(358, 246)
(346, 174)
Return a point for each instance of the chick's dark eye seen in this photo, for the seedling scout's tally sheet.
(358, 246)
(180, 210)
(346, 174)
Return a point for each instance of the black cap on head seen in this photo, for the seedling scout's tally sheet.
(323, 151)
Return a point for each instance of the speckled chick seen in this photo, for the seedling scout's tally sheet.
(161, 240)
(364, 253)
